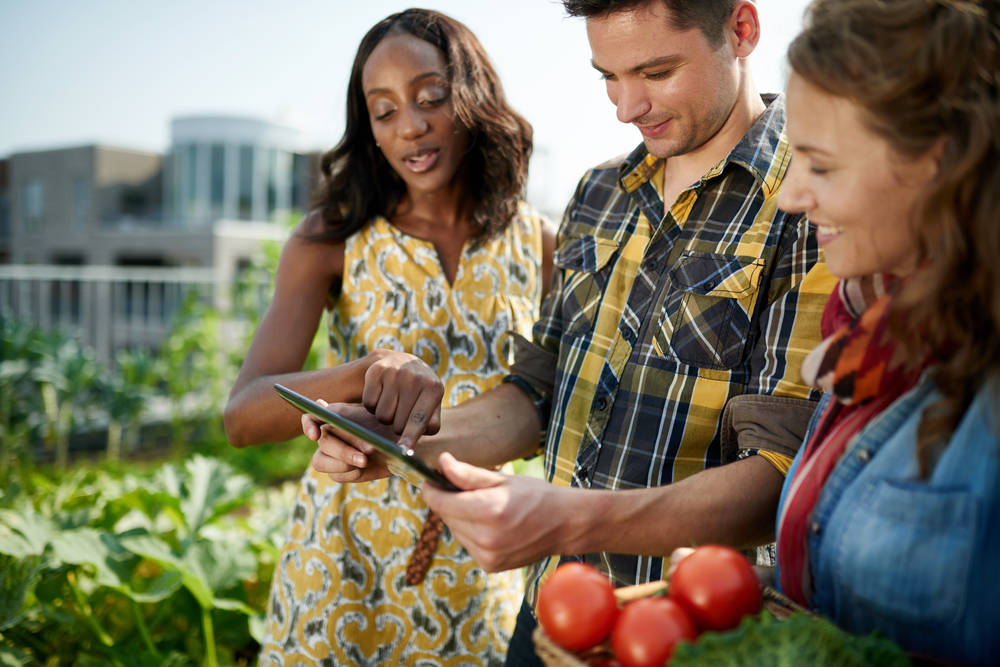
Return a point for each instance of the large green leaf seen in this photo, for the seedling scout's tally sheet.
(234, 605)
(113, 565)
(16, 546)
(12, 657)
(222, 563)
(17, 578)
(28, 532)
(108, 538)
(212, 490)
(98, 551)
(13, 369)
(151, 503)
(158, 589)
(158, 551)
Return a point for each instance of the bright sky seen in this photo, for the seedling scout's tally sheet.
(116, 71)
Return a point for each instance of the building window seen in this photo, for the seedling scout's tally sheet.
(190, 174)
(300, 182)
(33, 205)
(244, 199)
(81, 203)
(4, 222)
(133, 203)
(272, 182)
(172, 175)
(217, 171)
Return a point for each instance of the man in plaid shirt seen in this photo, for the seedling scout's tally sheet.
(663, 375)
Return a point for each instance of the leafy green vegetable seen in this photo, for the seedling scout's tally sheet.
(800, 639)
(169, 568)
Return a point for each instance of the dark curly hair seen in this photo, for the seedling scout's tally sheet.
(926, 72)
(709, 16)
(357, 182)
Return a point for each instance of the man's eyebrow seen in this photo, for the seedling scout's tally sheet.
(417, 79)
(671, 60)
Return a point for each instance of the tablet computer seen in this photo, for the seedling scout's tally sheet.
(402, 462)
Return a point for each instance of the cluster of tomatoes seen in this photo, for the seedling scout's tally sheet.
(712, 589)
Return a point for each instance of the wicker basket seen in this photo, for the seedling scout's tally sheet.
(554, 655)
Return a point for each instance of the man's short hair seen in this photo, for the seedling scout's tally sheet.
(709, 16)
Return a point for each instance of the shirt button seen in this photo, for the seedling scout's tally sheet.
(815, 528)
(865, 455)
(602, 403)
(652, 265)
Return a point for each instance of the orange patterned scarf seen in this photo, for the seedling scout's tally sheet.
(858, 364)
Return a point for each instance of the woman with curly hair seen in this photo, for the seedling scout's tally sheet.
(421, 248)
(890, 515)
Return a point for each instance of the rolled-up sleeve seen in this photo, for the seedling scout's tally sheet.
(770, 426)
(533, 371)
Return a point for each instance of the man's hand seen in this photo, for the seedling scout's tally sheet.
(403, 391)
(504, 521)
(676, 556)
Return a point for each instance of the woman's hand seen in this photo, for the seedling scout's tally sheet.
(403, 391)
(341, 455)
(401, 400)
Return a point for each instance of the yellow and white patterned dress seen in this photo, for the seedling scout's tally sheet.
(338, 596)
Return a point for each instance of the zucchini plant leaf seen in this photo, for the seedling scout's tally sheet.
(17, 578)
(234, 605)
(159, 588)
(213, 489)
(158, 551)
(34, 530)
(99, 552)
(223, 563)
(13, 657)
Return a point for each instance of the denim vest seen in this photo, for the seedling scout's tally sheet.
(918, 560)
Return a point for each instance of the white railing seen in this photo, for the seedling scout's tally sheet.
(105, 307)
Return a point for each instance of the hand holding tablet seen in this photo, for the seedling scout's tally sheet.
(401, 462)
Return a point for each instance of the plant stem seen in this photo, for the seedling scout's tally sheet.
(206, 624)
(88, 615)
(29, 640)
(114, 447)
(65, 425)
(140, 623)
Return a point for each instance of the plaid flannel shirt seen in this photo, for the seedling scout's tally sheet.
(654, 321)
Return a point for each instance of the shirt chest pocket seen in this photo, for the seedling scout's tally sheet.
(585, 262)
(707, 312)
(930, 530)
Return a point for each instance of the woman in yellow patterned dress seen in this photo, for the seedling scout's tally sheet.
(422, 250)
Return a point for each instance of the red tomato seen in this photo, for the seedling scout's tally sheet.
(717, 586)
(647, 631)
(577, 606)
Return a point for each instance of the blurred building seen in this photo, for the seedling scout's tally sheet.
(4, 211)
(89, 233)
(65, 204)
(234, 169)
(226, 183)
